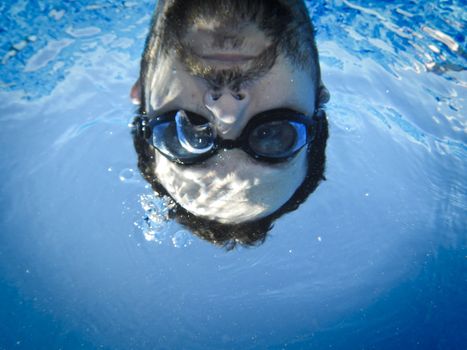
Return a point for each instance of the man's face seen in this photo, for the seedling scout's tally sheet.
(228, 61)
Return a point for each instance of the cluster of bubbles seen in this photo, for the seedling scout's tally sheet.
(156, 225)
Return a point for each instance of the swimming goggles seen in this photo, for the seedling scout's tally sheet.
(188, 138)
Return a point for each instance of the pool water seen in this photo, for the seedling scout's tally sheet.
(375, 259)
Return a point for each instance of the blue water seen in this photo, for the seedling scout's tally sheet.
(375, 259)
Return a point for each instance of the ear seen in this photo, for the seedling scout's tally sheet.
(135, 93)
(323, 94)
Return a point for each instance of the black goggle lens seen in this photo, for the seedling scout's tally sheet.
(277, 139)
(194, 137)
(187, 138)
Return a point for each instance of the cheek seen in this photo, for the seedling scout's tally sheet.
(284, 87)
(173, 88)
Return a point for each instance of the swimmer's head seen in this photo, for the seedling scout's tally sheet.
(243, 79)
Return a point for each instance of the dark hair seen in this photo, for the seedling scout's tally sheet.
(249, 233)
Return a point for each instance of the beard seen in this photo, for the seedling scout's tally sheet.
(285, 25)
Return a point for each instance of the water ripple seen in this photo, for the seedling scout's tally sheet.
(46, 39)
(397, 35)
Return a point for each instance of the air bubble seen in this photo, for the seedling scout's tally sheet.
(181, 239)
(128, 175)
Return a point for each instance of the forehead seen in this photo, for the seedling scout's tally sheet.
(230, 187)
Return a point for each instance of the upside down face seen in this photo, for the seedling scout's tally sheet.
(226, 62)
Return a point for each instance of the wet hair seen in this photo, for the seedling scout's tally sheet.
(249, 233)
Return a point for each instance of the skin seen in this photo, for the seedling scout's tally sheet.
(230, 187)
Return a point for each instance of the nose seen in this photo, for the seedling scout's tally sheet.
(228, 109)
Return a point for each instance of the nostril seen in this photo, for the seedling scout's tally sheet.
(216, 95)
(238, 96)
